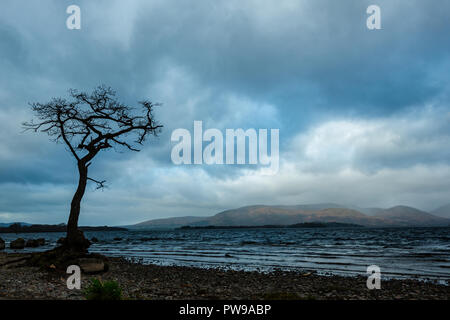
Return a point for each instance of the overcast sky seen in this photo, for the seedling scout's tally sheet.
(364, 115)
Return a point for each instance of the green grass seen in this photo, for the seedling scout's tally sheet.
(99, 290)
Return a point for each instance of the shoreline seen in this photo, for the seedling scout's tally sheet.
(141, 282)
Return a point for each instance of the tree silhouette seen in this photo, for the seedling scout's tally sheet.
(88, 124)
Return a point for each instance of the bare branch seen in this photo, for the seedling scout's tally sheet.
(100, 184)
(93, 122)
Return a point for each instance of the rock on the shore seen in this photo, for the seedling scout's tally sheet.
(2, 244)
(61, 240)
(94, 239)
(17, 244)
(91, 265)
(32, 243)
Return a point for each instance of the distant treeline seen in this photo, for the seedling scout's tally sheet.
(297, 225)
(18, 228)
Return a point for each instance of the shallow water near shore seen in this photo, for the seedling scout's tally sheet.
(422, 253)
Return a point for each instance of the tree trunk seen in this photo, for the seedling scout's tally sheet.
(75, 238)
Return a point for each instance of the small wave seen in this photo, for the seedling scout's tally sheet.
(245, 243)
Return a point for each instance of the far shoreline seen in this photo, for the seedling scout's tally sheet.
(48, 228)
(275, 226)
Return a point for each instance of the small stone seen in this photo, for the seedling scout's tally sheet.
(17, 244)
(32, 243)
(91, 265)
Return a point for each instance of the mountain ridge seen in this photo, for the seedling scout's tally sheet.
(443, 211)
(259, 215)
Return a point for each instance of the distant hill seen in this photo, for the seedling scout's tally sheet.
(261, 215)
(4, 225)
(167, 223)
(297, 225)
(370, 211)
(443, 211)
(283, 215)
(406, 216)
(35, 228)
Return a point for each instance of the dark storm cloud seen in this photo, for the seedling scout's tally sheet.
(319, 45)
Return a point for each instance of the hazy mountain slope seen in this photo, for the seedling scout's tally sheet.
(316, 206)
(168, 222)
(322, 206)
(342, 215)
(284, 215)
(407, 216)
(443, 211)
(256, 215)
(369, 211)
(260, 215)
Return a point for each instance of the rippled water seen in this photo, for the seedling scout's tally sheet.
(399, 252)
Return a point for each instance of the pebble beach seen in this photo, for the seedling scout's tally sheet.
(142, 282)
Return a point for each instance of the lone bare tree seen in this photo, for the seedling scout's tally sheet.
(87, 124)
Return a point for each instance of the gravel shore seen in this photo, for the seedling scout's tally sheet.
(170, 282)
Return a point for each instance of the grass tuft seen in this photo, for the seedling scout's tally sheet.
(99, 290)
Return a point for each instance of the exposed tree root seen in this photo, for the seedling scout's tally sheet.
(58, 259)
